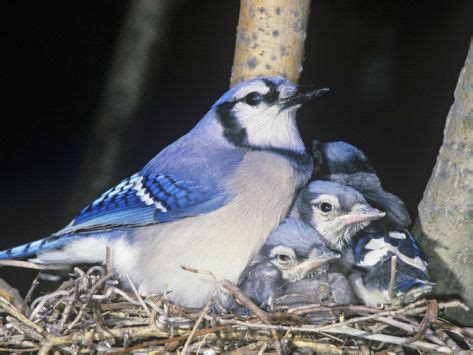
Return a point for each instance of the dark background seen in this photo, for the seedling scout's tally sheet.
(392, 68)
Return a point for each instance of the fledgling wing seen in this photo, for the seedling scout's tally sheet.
(370, 186)
(372, 249)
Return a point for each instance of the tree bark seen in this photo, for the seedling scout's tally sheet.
(445, 224)
(270, 39)
(143, 29)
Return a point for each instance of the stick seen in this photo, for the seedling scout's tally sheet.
(258, 312)
(196, 325)
(135, 291)
(12, 295)
(28, 296)
(392, 280)
(347, 331)
(422, 345)
(430, 314)
(30, 265)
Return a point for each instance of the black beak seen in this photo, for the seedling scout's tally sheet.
(300, 98)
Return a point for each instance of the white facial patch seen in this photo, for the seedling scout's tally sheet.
(267, 126)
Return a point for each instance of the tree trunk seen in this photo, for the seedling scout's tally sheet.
(445, 224)
(270, 39)
(143, 28)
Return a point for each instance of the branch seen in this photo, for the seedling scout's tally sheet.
(270, 39)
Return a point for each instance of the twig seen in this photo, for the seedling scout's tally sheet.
(33, 286)
(421, 345)
(351, 332)
(41, 301)
(175, 339)
(392, 280)
(32, 333)
(409, 328)
(10, 309)
(107, 260)
(430, 314)
(31, 265)
(263, 316)
(197, 271)
(138, 297)
(12, 295)
(196, 325)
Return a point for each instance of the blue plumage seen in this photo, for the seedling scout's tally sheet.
(137, 200)
(373, 250)
(159, 194)
(223, 186)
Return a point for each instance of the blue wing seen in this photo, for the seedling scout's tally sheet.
(141, 199)
(146, 199)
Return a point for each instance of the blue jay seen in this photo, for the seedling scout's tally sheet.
(207, 201)
(369, 254)
(292, 251)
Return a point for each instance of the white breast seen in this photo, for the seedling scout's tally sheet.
(221, 242)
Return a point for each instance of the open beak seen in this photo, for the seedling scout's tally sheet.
(299, 98)
(363, 213)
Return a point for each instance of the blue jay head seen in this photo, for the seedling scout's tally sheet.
(260, 113)
(336, 211)
(296, 249)
(339, 158)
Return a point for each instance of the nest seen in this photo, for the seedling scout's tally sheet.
(91, 313)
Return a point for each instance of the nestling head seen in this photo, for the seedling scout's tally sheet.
(335, 211)
(296, 250)
(339, 158)
(260, 113)
(346, 164)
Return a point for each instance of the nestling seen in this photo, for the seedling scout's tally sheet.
(292, 252)
(335, 211)
(370, 252)
(327, 215)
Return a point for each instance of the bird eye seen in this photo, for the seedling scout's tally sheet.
(325, 207)
(283, 257)
(253, 98)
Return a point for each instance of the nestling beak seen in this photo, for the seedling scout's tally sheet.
(313, 263)
(300, 97)
(362, 213)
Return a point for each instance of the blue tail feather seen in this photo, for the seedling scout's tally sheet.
(30, 249)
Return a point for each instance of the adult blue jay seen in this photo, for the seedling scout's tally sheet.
(370, 252)
(207, 201)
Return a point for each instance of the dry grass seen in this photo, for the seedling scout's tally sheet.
(91, 313)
